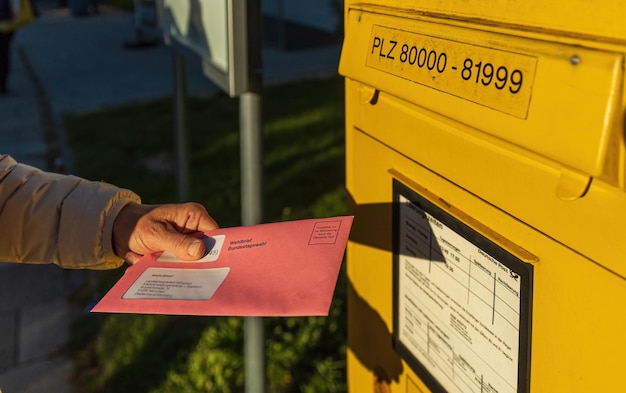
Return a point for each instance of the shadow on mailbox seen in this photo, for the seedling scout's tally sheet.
(374, 227)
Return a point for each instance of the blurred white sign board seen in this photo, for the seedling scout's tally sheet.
(215, 30)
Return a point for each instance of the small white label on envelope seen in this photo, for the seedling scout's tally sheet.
(177, 284)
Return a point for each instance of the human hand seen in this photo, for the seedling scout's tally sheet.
(146, 229)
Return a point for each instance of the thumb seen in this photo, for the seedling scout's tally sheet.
(131, 257)
(185, 247)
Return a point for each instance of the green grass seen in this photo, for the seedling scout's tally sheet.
(303, 167)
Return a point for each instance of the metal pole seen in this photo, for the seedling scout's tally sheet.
(252, 206)
(255, 354)
(182, 148)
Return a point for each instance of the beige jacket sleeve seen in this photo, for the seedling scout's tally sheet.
(51, 218)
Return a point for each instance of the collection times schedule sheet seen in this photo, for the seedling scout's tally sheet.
(459, 309)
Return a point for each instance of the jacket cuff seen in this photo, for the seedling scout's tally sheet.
(86, 225)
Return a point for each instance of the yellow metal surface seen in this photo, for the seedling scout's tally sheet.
(574, 18)
(534, 161)
(578, 315)
(528, 186)
(560, 101)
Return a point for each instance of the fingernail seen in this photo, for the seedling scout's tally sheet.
(130, 259)
(194, 248)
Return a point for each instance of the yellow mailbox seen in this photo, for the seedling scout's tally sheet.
(487, 175)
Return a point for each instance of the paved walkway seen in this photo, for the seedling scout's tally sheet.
(64, 64)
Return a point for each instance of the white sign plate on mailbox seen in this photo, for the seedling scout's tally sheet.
(461, 303)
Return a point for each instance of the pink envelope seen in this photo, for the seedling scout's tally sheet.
(278, 269)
